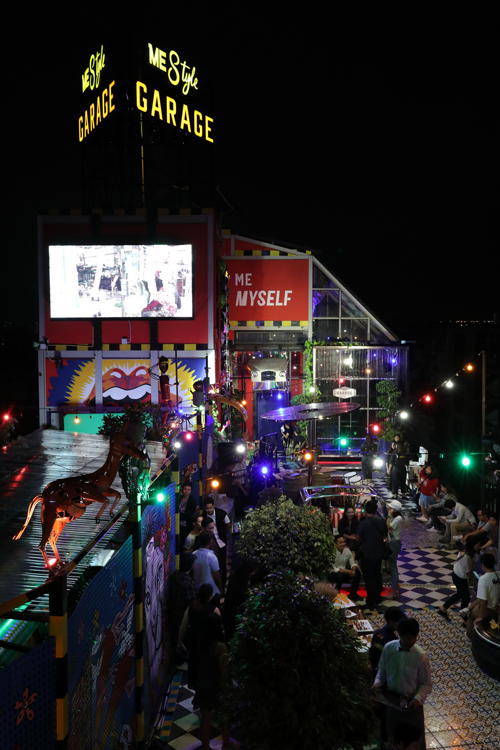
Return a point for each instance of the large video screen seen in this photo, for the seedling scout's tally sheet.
(121, 281)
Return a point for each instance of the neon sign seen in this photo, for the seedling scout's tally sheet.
(92, 76)
(186, 75)
(193, 122)
(96, 112)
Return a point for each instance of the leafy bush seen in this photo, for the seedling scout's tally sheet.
(295, 678)
(145, 413)
(283, 536)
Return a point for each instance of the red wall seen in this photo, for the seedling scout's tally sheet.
(169, 331)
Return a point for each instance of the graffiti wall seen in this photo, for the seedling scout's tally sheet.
(101, 659)
(28, 700)
(71, 382)
(158, 560)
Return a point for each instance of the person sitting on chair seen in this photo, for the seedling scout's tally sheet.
(345, 570)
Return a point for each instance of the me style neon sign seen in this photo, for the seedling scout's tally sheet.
(166, 109)
(103, 105)
(178, 74)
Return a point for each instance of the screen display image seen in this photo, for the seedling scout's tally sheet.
(121, 281)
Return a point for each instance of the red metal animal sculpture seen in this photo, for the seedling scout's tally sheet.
(66, 499)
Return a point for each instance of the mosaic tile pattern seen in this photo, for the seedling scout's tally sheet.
(463, 708)
(463, 711)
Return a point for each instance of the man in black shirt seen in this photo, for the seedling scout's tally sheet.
(372, 533)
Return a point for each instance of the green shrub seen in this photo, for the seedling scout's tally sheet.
(295, 678)
(282, 536)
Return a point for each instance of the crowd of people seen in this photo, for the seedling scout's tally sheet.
(202, 607)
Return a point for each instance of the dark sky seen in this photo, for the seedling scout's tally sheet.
(368, 138)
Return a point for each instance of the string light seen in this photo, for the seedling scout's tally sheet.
(448, 383)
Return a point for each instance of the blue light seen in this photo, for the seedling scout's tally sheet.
(264, 469)
(280, 396)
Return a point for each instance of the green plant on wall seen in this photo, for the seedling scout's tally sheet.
(283, 536)
(311, 392)
(295, 677)
(387, 400)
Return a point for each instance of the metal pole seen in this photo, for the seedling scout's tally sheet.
(176, 378)
(483, 422)
(135, 519)
(200, 457)
(58, 627)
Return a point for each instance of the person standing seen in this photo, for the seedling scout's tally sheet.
(186, 507)
(367, 454)
(398, 473)
(372, 534)
(394, 528)
(404, 668)
(181, 592)
(221, 532)
(206, 566)
(429, 490)
(462, 572)
(381, 636)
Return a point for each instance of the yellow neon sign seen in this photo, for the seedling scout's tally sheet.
(96, 113)
(176, 71)
(92, 76)
(193, 122)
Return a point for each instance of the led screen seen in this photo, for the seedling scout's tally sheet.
(121, 281)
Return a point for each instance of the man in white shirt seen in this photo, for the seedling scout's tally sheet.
(345, 570)
(488, 594)
(206, 566)
(464, 522)
(404, 668)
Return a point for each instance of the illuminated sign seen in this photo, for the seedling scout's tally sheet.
(147, 99)
(176, 71)
(96, 112)
(92, 76)
(182, 117)
(268, 289)
(344, 392)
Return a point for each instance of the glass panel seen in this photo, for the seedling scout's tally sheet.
(377, 336)
(321, 280)
(349, 309)
(326, 329)
(325, 303)
(354, 330)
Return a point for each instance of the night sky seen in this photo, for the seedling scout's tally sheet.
(369, 139)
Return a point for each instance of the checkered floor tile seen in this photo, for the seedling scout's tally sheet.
(181, 728)
(379, 483)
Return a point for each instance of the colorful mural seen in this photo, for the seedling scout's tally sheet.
(158, 560)
(28, 700)
(71, 382)
(101, 646)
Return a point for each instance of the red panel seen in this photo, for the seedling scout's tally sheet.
(169, 331)
(268, 289)
(114, 330)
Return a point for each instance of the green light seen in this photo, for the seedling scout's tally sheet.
(465, 461)
(343, 441)
(160, 498)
